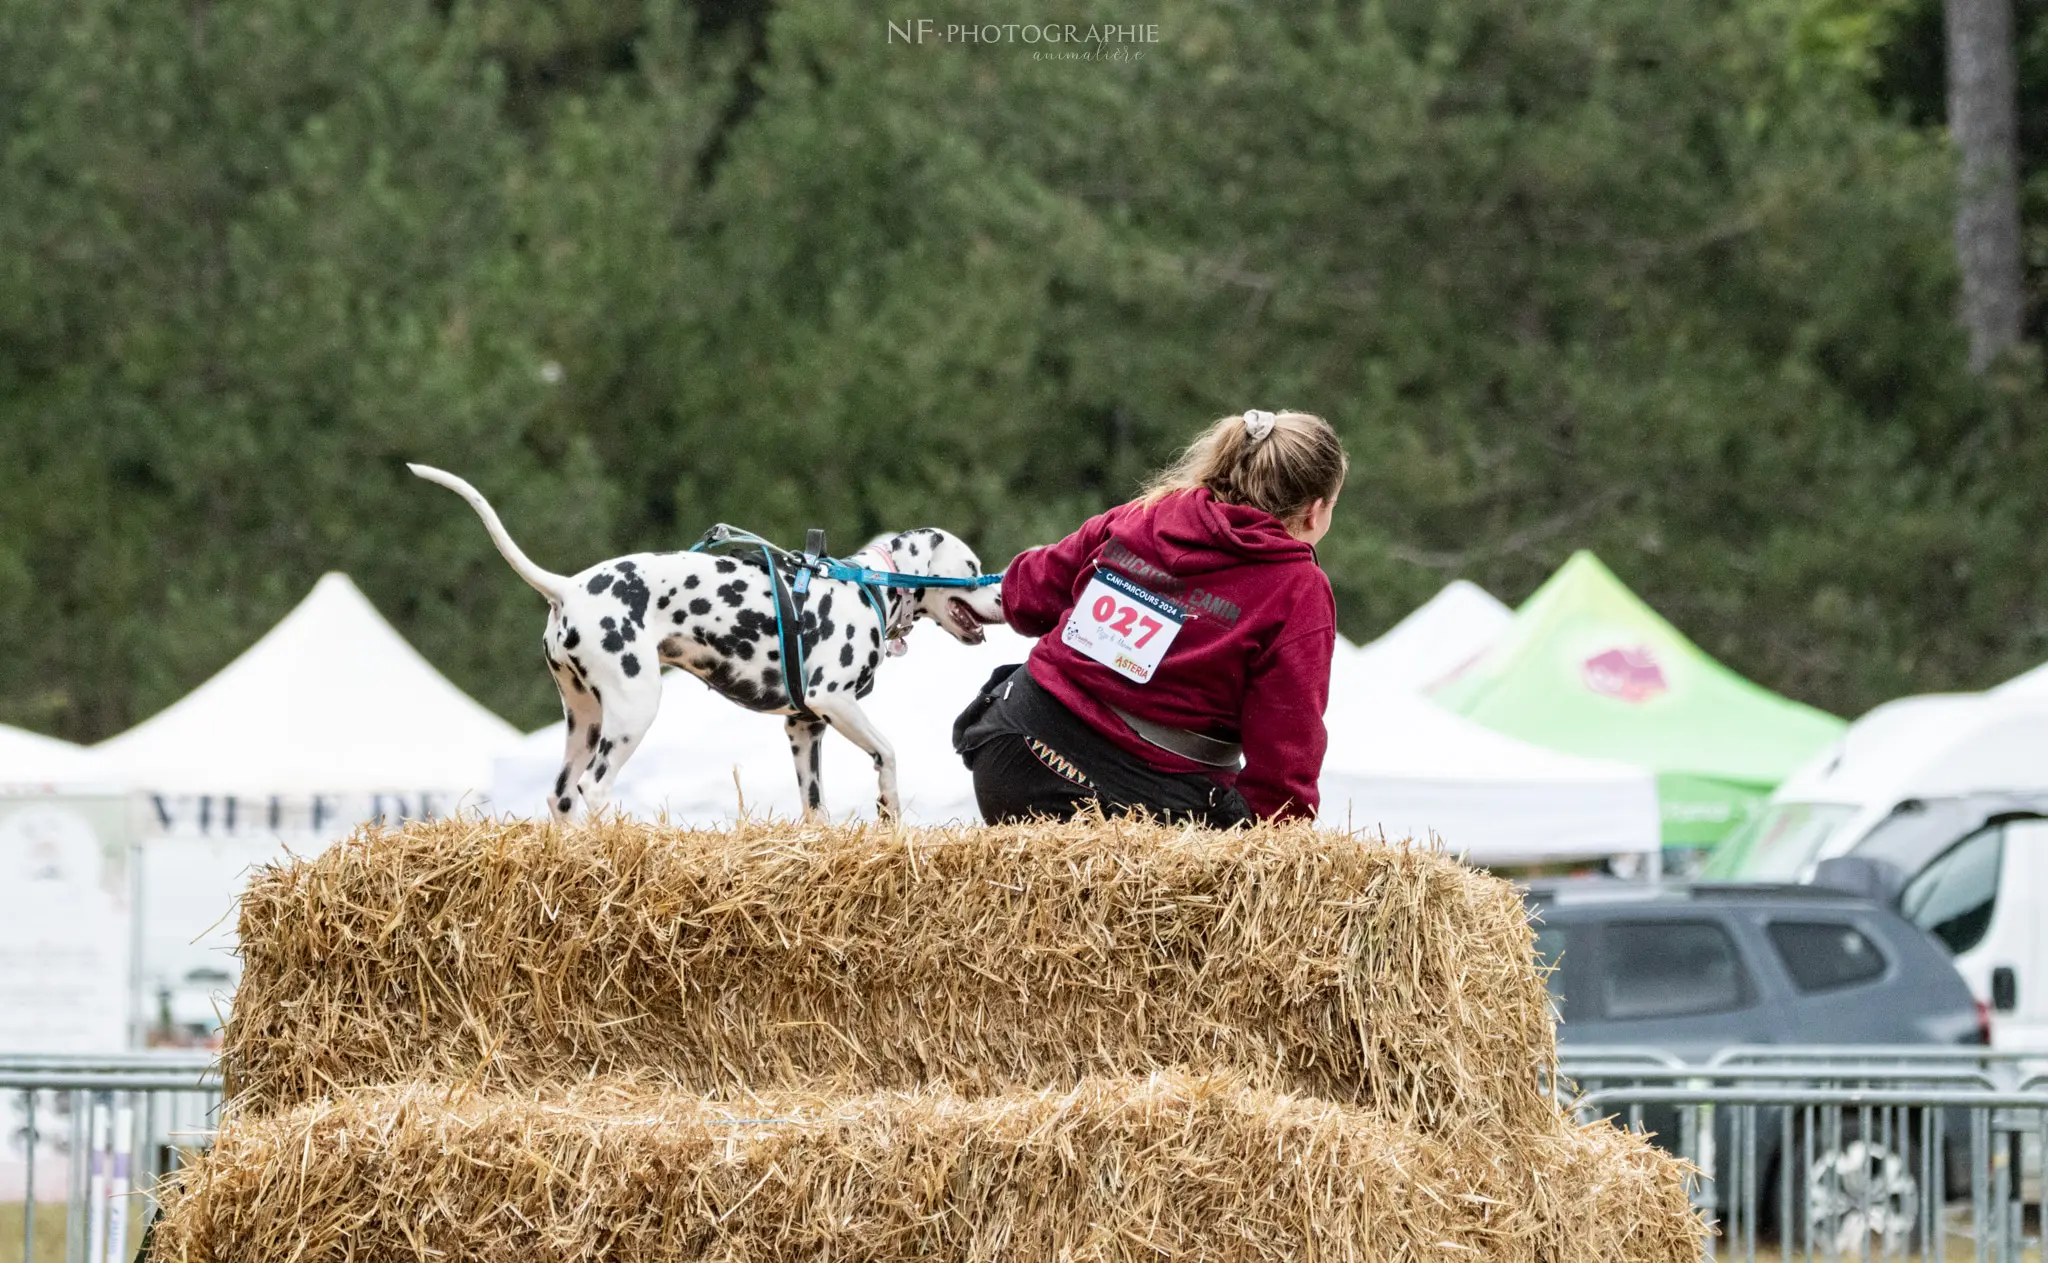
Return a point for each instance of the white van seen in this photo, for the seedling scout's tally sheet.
(1936, 746)
(1973, 872)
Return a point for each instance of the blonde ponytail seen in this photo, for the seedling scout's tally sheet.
(1280, 462)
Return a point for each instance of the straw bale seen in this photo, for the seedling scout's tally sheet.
(1174, 1166)
(505, 954)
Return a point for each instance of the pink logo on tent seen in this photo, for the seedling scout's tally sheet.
(1630, 674)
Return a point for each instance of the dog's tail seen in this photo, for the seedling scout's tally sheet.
(550, 585)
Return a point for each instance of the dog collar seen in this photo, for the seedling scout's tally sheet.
(892, 634)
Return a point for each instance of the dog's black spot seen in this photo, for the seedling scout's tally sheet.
(825, 606)
(602, 768)
(599, 582)
(562, 783)
(576, 683)
(913, 550)
(597, 694)
(846, 655)
(724, 565)
(563, 803)
(662, 604)
(700, 606)
(774, 655)
(573, 639)
(627, 567)
(878, 762)
(742, 689)
(572, 724)
(614, 638)
(604, 747)
(850, 630)
(630, 665)
(632, 591)
(874, 635)
(771, 677)
(817, 677)
(734, 593)
(833, 687)
(595, 733)
(816, 799)
(689, 581)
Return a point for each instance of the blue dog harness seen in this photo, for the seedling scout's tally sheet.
(791, 591)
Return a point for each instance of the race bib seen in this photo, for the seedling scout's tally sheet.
(1122, 626)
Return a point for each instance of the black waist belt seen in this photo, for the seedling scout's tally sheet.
(1198, 747)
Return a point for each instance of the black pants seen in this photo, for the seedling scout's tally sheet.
(1032, 757)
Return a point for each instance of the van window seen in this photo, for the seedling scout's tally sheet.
(1952, 897)
(1669, 969)
(1778, 843)
(1825, 955)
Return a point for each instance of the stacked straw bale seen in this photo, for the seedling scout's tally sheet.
(1084, 1041)
(1170, 1167)
(509, 955)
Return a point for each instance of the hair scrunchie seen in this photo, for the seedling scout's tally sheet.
(1257, 424)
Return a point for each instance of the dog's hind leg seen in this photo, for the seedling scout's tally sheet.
(845, 714)
(584, 718)
(629, 707)
(806, 739)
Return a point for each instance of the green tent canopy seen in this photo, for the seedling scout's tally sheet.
(1588, 669)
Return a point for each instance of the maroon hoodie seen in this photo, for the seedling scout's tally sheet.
(1252, 659)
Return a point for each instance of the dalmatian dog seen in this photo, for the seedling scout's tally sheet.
(612, 627)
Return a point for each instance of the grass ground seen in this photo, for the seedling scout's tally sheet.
(49, 1241)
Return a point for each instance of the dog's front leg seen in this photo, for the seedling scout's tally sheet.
(843, 713)
(806, 737)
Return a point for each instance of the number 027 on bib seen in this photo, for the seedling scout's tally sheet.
(1122, 626)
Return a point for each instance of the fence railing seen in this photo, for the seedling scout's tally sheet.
(1860, 1152)
(86, 1139)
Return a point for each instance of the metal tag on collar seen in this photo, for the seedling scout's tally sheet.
(814, 555)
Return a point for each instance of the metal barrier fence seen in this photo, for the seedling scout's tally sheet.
(1912, 1152)
(87, 1138)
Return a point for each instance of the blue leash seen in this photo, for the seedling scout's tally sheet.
(789, 594)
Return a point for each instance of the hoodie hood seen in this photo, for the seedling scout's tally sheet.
(1192, 532)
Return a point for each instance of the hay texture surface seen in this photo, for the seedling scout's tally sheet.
(1171, 1167)
(508, 955)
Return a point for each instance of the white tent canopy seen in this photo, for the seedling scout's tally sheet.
(332, 701)
(1403, 765)
(31, 760)
(2032, 683)
(704, 754)
(1438, 637)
